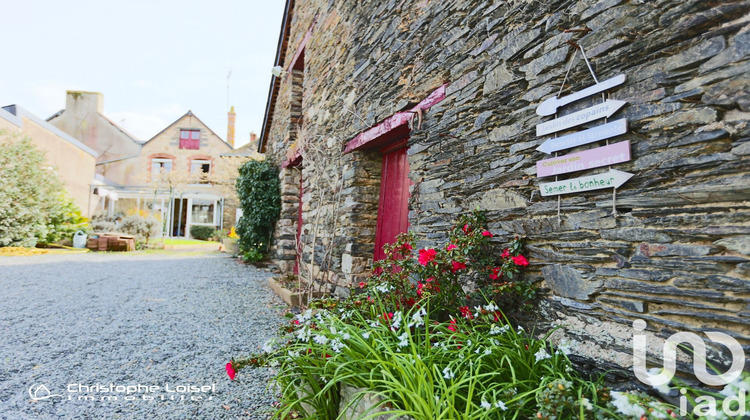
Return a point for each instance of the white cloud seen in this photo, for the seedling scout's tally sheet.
(148, 122)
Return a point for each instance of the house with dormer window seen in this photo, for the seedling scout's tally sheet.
(181, 161)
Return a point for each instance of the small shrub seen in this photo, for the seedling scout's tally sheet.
(252, 256)
(103, 224)
(140, 227)
(202, 233)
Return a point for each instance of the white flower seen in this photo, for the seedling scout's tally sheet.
(273, 363)
(346, 336)
(541, 355)
(303, 334)
(586, 404)
(374, 324)
(486, 405)
(320, 339)
(305, 316)
(501, 405)
(491, 307)
(396, 322)
(404, 340)
(384, 288)
(417, 320)
(366, 335)
(495, 330)
(623, 405)
(520, 329)
(447, 373)
(487, 351)
(337, 345)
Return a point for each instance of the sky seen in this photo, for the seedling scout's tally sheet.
(152, 60)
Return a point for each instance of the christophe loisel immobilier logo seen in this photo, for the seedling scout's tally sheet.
(115, 392)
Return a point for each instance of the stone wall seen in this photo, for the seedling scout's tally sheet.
(675, 253)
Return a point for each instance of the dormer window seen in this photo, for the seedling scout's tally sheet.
(190, 139)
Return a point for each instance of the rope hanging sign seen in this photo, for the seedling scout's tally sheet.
(588, 159)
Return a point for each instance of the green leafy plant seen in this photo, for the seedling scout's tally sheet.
(203, 233)
(413, 364)
(465, 271)
(34, 206)
(259, 192)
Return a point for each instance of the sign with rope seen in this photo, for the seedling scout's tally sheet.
(588, 159)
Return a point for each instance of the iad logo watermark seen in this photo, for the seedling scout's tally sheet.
(706, 403)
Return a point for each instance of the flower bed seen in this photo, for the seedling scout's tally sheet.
(427, 337)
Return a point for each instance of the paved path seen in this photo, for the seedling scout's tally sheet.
(164, 319)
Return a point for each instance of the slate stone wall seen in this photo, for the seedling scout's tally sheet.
(675, 254)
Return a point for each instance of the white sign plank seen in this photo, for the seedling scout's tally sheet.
(603, 110)
(587, 159)
(549, 106)
(611, 179)
(600, 132)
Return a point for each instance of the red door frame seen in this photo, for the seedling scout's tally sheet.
(393, 206)
(299, 228)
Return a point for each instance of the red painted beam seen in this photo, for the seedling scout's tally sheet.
(394, 121)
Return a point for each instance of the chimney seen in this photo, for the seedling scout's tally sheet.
(230, 127)
(81, 103)
(253, 141)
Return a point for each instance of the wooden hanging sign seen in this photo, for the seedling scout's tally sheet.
(593, 113)
(600, 132)
(588, 159)
(549, 106)
(611, 179)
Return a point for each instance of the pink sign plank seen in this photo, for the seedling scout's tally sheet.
(588, 159)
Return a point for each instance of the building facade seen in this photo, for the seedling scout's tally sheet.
(178, 176)
(389, 116)
(184, 161)
(73, 161)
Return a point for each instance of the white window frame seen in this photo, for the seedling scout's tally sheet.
(155, 176)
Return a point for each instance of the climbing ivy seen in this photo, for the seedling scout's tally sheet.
(259, 193)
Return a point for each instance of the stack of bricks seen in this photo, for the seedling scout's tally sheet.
(110, 242)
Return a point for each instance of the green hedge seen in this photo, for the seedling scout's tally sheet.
(259, 192)
(203, 233)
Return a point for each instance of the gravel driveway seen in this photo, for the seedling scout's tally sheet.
(170, 320)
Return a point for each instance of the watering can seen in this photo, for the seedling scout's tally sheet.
(79, 239)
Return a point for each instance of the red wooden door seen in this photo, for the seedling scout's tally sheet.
(393, 209)
(297, 245)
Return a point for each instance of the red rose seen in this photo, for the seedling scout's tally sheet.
(451, 247)
(362, 285)
(426, 255)
(487, 233)
(506, 253)
(230, 371)
(521, 260)
(458, 266)
(496, 273)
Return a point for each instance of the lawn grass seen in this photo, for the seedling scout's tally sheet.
(181, 241)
